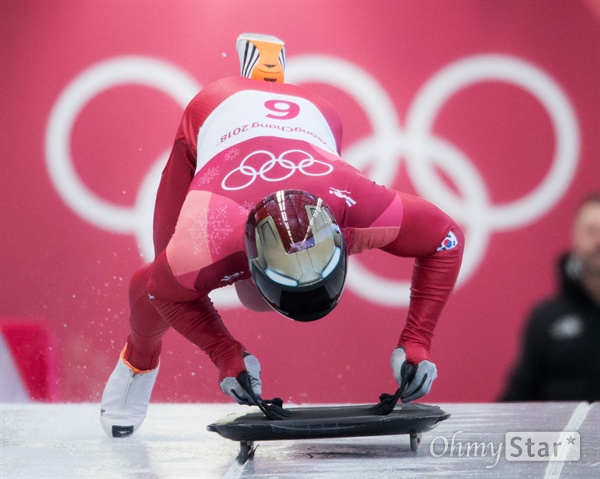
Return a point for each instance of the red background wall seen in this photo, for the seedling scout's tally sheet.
(509, 144)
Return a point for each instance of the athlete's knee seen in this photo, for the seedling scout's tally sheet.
(138, 283)
(250, 297)
(163, 284)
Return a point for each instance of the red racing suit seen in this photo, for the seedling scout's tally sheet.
(240, 140)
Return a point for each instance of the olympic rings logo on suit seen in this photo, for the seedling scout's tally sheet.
(306, 166)
(381, 152)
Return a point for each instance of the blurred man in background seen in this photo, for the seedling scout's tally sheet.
(560, 358)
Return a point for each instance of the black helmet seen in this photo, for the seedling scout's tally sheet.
(296, 254)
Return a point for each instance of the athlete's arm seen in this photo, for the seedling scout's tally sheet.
(194, 316)
(424, 228)
(172, 190)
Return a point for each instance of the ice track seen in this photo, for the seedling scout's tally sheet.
(66, 441)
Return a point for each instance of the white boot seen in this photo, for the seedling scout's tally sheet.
(126, 398)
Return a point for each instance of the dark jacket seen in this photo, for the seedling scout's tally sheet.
(560, 358)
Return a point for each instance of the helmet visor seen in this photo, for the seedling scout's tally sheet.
(296, 253)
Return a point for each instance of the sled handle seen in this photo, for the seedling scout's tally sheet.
(272, 409)
(387, 402)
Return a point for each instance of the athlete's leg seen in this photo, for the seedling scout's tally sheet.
(126, 396)
(147, 327)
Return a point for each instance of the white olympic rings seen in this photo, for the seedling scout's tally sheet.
(81, 90)
(422, 152)
(381, 152)
(303, 166)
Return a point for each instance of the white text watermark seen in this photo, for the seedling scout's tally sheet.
(517, 446)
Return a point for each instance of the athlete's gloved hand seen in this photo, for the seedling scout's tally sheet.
(425, 372)
(233, 388)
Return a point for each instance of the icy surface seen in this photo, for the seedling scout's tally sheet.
(66, 441)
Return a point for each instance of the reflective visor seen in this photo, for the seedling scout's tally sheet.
(297, 254)
(303, 303)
